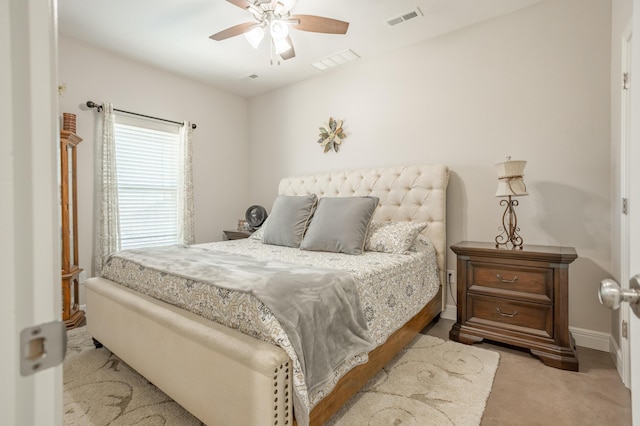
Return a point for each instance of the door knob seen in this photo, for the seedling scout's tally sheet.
(611, 295)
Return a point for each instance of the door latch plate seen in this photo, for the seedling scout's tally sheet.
(42, 346)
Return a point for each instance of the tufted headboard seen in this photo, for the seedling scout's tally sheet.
(406, 193)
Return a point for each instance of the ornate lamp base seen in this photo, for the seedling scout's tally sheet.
(509, 229)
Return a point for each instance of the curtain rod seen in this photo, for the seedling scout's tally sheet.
(92, 104)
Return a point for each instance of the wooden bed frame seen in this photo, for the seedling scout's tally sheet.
(355, 379)
(224, 377)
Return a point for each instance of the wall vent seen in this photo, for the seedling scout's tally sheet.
(413, 13)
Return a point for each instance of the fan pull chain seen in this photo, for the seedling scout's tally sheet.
(271, 48)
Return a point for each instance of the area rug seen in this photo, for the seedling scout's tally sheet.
(431, 382)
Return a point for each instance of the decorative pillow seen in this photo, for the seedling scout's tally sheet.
(421, 244)
(288, 220)
(340, 224)
(393, 237)
(259, 232)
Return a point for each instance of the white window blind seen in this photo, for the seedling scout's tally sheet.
(147, 169)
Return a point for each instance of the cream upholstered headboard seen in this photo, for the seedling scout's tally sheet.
(406, 193)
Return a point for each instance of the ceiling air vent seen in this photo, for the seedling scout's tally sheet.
(414, 13)
(340, 58)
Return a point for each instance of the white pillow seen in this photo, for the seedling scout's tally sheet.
(393, 237)
(257, 235)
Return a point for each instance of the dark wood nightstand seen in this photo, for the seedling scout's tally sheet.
(517, 297)
(237, 235)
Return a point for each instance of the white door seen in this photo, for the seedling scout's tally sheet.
(625, 142)
(634, 213)
(29, 229)
(630, 165)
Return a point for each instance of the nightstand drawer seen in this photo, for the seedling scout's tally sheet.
(513, 315)
(495, 279)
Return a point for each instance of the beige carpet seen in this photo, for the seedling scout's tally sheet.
(432, 382)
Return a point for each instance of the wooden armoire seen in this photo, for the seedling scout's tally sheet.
(72, 315)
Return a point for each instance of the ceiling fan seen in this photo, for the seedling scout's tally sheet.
(272, 17)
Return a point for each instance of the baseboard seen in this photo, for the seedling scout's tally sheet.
(81, 291)
(592, 339)
(449, 312)
(616, 355)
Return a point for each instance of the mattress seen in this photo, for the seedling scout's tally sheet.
(392, 289)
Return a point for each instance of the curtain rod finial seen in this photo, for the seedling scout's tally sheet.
(92, 104)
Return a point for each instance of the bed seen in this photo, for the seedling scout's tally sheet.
(227, 377)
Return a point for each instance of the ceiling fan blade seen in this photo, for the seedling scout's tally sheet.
(291, 53)
(233, 31)
(320, 24)
(242, 4)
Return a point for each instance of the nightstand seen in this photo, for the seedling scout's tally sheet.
(237, 235)
(517, 297)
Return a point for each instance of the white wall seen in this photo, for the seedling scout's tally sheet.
(534, 84)
(220, 142)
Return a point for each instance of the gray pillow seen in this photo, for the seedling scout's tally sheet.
(340, 224)
(288, 220)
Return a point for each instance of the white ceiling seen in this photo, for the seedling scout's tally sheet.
(174, 34)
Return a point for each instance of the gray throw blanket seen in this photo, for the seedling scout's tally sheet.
(319, 309)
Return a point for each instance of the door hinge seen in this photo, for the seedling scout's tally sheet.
(625, 206)
(625, 81)
(625, 329)
(42, 346)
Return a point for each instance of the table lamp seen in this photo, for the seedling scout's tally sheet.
(510, 184)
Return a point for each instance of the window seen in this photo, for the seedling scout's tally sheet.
(148, 174)
(153, 202)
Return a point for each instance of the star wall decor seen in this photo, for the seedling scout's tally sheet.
(332, 135)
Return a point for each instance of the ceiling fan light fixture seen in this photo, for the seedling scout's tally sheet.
(255, 36)
(283, 6)
(281, 45)
(278, 29)
(272, 18)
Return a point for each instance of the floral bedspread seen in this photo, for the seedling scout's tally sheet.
(392, 289)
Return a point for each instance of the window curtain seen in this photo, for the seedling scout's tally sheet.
(186, 233)
(107, 220)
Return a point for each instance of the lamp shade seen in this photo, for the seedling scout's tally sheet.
(283, 6)
(511, 179)
(255, 36)
(281, 45)
(279, 29)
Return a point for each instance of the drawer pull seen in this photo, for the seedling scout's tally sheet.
(511, 315)
(515, 278)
